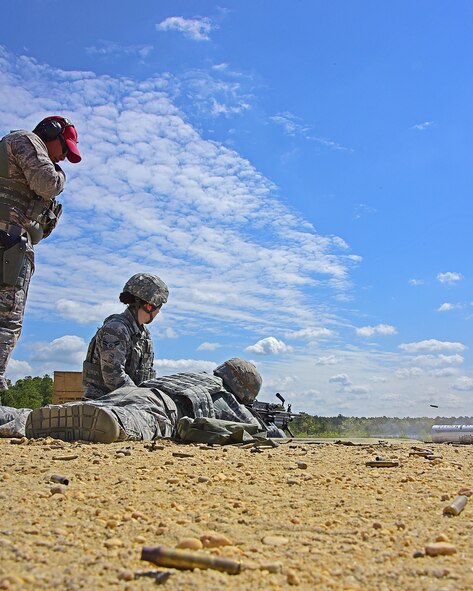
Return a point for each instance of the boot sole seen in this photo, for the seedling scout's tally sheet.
(78, 422)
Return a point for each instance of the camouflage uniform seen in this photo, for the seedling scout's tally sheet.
(142, 413)
(29, 183)
(202, 395)
(120, 354)
(13, 421)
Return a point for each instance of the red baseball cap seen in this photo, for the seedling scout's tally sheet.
(56, 126)
(70, 137)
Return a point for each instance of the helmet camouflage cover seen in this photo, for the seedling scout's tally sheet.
(241, 378)
(149, 288)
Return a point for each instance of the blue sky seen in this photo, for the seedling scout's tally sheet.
(298, 172)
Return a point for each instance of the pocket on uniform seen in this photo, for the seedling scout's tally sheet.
(8, 299)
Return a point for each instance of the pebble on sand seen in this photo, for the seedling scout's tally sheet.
(292, 578)
(190, 544)
(214, 540)
(440, 549)
(275, 540)
(113, 543)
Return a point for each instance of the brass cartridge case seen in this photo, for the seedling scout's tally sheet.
(180, 559)
(456, 506)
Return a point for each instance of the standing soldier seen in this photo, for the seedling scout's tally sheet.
(121, 352)
(30, 180)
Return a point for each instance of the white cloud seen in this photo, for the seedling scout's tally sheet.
(446, 307)
(269, 346)
(361, 209)
(436, 360)
(431, 345)
(167, 333)
(326, 360)
(64, 353)
(345, 385)
(111, 49)
(463, 384)
(280, 383)
(216, 92)
(341, 378)
(84, 313)
(170, 366)
(311, 333)
(450, 277)
(406, 373)
(197, 29)
(208, 346)
(445, 372)
(359, 390)
(378, 379)
(416, 282)
(422, 126)
(293, 126)
(381, 329)
(17, 370)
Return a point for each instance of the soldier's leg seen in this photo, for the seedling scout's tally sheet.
(13, 421)
(143, 413)
(12, 309)
(128, 413)
(75, 421)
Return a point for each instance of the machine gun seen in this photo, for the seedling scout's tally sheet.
(272, 413)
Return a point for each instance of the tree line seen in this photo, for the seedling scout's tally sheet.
(29, 392)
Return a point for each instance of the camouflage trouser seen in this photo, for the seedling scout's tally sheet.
(141, 412)
(12, 309)
(13, 421)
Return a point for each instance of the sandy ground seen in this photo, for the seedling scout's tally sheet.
(301, 515)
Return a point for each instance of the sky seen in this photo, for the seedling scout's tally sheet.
(298, 172)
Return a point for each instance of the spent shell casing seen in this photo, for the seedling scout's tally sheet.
(456, 506)
(60, 479)
(382, 463)
(180, 559)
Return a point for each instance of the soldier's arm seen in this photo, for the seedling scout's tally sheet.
(228, 408)
(44, 177)
(114, 344)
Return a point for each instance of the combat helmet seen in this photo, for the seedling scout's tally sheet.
(147, 287)
(241, 378)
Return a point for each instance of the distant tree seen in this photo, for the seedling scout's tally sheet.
(29, 392)
(303, 425)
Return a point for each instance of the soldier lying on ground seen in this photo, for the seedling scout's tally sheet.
(148, 412)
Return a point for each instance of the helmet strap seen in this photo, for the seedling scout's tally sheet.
(149, 308)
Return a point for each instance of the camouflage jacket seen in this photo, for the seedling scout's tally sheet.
(27, 175)
(120, 354)
(202, 395)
